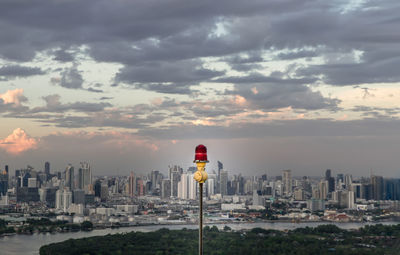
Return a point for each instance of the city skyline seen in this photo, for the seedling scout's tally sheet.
(266, 85)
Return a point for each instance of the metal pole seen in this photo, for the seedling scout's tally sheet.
(201, 221)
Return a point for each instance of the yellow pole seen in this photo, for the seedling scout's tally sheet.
(201, 176)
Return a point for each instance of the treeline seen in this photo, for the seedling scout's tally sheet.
(4, 229)
(43, 225)
(327, 239)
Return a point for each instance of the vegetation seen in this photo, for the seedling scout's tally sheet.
(4, 229)
(326, 239)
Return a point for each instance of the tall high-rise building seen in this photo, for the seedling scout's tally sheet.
(140, 187)
(67, 199)
(70, 177)
(132, 184)
(224, 183)
(287, 181)
(165, 188)
(59, 199)
(328, 174)
(210, 187)
(4, 181)
(155, 179)
(175, 176)
(183, 187)
(377, 187)
(348, 180)
(220, 168)
(323, 189)
(47, 168)
(84, 177)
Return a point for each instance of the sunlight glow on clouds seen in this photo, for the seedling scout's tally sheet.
(15, 97)
(18, 142)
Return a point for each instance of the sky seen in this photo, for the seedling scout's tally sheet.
(134, 85)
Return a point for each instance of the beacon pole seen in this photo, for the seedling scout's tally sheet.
(200, 176)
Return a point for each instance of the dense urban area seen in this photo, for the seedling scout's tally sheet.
(36, 200)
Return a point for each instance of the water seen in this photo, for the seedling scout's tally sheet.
(30, 244)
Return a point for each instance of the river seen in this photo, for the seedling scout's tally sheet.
(30, 244)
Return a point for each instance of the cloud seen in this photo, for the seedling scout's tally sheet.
(70, 78)
(269, 92)
(14, 71)
(18, 142)
(14, 97)
(53, 104)
(166, 77)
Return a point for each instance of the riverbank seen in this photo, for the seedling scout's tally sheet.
(30, 244)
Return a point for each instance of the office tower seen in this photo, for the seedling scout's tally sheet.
(97, 188)
(67, 199)
(299, 194)
(50, 196)
(328, 174)
(224, 183)
(70, 177)
(104, 192)
(346, 199)
(4, 182)
(392, 189)
(132, 184)
(175, 176)
(32, 183)
(264, 177)
(59, 199)
(193, 187)
(348, 180)
(377, 187)
(340, 178)
(47, 168)
(165, 188)
(330, 180)
(210, 187)
(84, 177)
(220, 168)
(323, 189)
(78, 196)
(155, 179)
(287, 182)
(140, 190)
(183, 187)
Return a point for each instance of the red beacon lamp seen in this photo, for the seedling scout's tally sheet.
(200, 158)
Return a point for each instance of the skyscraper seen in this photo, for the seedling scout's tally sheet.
(330, 180)
(4, 182)
(175, 176)
(377, 187)
(132, 184)
(47, 168)
(70, 177)
(287, 181)
(85, 177)
(224, 183)
(220, 168)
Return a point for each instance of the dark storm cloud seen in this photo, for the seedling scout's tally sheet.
(12, 71)
(63, 56)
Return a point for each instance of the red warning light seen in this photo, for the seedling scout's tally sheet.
(200, 154)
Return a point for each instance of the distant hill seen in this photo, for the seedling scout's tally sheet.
(325, 239)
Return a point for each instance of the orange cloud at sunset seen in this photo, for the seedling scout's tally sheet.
(18, 142)
(13, 96)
